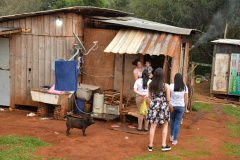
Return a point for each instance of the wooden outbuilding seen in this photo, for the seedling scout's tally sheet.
(36, 41)
(31, 42)
(226, 67)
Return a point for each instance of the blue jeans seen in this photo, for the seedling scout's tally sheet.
(176, 117)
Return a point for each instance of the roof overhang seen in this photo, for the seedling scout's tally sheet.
(227, 41)
(86, 10)
(144, 24)
(132, 41)
(9, 30)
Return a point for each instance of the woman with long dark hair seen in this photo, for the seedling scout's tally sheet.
(141, 89)
(158, 112)
(179, 101)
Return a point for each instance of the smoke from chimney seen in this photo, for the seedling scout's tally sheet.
(216, 27)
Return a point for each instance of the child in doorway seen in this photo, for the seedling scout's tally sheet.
(149, 68)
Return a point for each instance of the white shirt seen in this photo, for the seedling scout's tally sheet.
(139, 84)
(177, 98)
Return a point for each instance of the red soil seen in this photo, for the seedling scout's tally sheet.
(103, 143)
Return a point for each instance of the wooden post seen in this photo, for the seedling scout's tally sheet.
(185, 67)
(225, 32)
(190, 106)
(165, 69)
(122, 83)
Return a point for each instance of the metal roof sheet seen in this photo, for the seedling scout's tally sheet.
(88, 10)
(227, 41)
(132, 41)
(144, 24)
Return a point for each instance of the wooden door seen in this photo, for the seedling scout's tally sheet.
(220, 73)
(4, 72)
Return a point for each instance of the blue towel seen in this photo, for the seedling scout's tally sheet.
(66, 75)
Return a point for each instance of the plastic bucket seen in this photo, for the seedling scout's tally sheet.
(98, 103)
(79, 109)
(198, 80)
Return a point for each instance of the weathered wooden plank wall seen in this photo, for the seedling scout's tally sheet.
(98, 63)
(175, 64)
(128, 75)
(32, 54)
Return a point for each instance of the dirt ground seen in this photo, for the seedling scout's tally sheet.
(202, 90)
(103, 143)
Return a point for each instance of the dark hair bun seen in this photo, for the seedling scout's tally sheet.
(135, 62)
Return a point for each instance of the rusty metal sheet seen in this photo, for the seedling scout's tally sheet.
(115, 41)
(136, 43)
(131, 41)
(165, 45)
(159, 44)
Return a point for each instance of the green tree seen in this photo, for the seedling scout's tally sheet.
(10, 7)
(70, 3)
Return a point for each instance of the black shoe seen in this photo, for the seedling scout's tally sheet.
(166, 148)
(150, 149)
(139, 129)
(146, 130)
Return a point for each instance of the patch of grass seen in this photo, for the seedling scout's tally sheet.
(231, 111)
(195, 98)
(231, 149)
(199, 106)
(193, 155)
(183, 153)
(197, 139)
(20, 147)
(199, 90)
(157, 154)
(213, 115)
(234, 130)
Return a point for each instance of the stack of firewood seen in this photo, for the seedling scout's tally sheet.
(113, 97)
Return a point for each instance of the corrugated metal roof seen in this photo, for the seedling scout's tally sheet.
(227, 41)
(132, 41)
(144, 24)
(87, 10)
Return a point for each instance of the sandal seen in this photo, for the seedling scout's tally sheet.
(131, 126)
(114, 126)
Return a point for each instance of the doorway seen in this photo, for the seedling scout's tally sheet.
(156, 61)
(4, 72)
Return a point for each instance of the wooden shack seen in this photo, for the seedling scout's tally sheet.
(124, 39)
(35, 41)
(29, 44)
(226, 67)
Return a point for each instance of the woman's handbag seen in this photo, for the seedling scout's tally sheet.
(170, 107)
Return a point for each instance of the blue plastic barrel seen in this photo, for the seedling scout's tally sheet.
(80, 106)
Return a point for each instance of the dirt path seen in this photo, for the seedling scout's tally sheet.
(103, 143)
